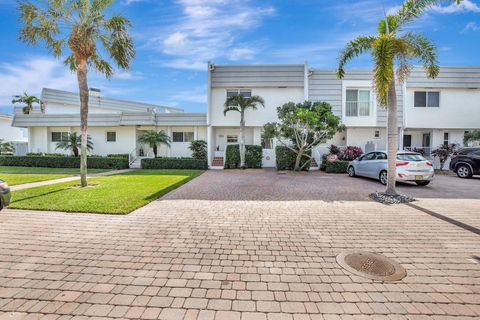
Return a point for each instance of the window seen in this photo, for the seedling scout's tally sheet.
(59, 136)
(429, 99)
(358, 103)
(377, 134)
(180, 136)
(247, 93)
(111, 136)
(445, 138)
(381, 156)
(410, 157)
(232, 139)
(368, 156)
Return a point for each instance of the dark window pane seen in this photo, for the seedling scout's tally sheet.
(369, 156)
(111, 136)
(420, 99)
(434, 99)
(188, 136)
(56, 136)
(177, 137)
(231, 93)
(246, 93)
(381, 156)
(410, 157)
(352, 95)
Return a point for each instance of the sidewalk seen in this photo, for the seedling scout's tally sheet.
(67, 179)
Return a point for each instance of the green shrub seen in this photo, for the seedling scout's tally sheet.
(199, 149)
(338, 166)
(42, 154)
(64, 162)
(174, 163)
(118, 155)
(253, 156)
(323, 165)
(285, 159)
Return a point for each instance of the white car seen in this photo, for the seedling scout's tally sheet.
(411, 166)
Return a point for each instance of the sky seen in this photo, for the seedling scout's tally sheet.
(175, 39)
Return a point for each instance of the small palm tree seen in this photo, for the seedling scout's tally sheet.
(240, 104)
(26, 99)
(73, 143)
(471, 137)
(393, 49)
(6, 147)
(82, 28)
(153, 139)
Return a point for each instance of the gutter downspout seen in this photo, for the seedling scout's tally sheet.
(210, 67)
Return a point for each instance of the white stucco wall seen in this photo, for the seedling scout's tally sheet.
(9, 133)
(274, 97)
(459, 108)
(360, 136)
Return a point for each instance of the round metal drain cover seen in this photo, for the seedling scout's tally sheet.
(371, 265)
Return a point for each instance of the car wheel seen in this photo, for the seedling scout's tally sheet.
(422, 183)
(351, 171)
(383, 177)
(464, 172)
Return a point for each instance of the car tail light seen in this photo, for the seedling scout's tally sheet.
(429, 164)
(3, 185)
(402, 163)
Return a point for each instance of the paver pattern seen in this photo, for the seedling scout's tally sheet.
(185, 257)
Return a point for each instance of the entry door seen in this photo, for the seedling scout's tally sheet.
(426, 140)
(407, 141)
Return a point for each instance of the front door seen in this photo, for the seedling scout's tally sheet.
(426, 140)
(407, 141)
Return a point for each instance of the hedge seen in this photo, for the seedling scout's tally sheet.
(285, 159)
(338, 166)
(40, 154)
(118, 155)
(174, 163)
(64, 162)
(253, 156)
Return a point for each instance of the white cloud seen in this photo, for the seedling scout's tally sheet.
(464, 6)
(209, 30)
(31, 75)
(471, 26)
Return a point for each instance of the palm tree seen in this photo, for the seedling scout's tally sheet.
(81, 28)
(6, 147)
(153, 139)
(391, 49)
(73, 143)
(240, 104)
(26, 99)
(471, 137)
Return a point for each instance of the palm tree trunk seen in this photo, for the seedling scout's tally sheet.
(83, 86)
(392, 128)
(242, 140)
(155, 150)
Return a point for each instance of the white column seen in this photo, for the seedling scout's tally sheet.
(400, 139)
(257, 136)
(169, 149)
(210, 144)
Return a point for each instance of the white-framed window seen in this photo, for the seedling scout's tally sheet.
(357, 103)
(423, 99)
(59, 136)
(111, 136)
(247, 93)
(181, 136)
(377, 134)
(445, 138)
(232, 139)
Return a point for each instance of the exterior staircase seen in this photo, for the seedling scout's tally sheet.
(217, 163)
(136, 164)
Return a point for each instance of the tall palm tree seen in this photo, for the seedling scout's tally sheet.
(240, 104)
(392, 50)
(73, 143)
(81, 28)
(6, 147)
(154, 138)
(26, 99)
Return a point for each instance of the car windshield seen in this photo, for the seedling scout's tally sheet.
(410, 157)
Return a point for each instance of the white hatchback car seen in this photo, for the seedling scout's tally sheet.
(411, 166)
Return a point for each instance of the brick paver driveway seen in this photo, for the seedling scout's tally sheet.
(188, 257)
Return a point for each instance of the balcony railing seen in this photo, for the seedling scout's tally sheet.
(357, 109)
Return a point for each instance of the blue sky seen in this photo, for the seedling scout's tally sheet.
(175, 39)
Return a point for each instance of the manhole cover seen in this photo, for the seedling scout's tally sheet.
(371, 265)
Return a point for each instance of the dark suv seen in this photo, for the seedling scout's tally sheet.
(466, 162)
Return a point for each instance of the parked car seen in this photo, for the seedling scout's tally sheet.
(466, 162)
(4, 194)
(411, 166)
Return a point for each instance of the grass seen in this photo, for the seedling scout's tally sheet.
(20, 175)
(117, 194)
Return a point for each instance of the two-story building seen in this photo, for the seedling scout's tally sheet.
(430, 112)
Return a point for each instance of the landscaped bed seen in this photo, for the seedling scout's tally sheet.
(20, 175)
(119, 194)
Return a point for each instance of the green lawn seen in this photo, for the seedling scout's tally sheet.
(21, 175)
(119, 194)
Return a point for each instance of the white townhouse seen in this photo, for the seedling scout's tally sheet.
(430, 112)
(17, 136)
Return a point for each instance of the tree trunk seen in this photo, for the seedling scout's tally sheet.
(242, 140)
(75, 151)
(155, 150)
(83, 86)
(392, 128)
(298, 159)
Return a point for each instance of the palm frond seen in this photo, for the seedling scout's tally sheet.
(425, 51)
(153, 137)
(412, 9)
(383, 71)
(353, 49)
